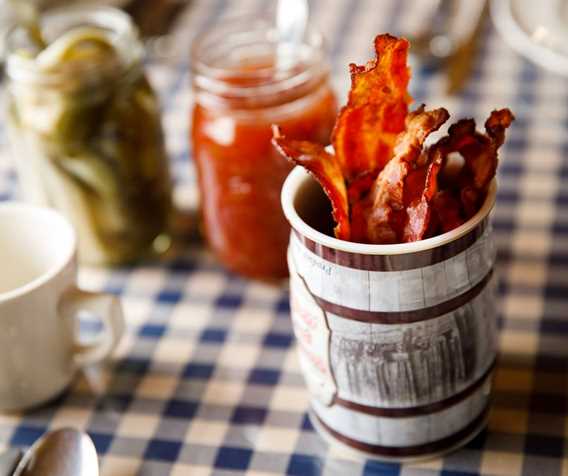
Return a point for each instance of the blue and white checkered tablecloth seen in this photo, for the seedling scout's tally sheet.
(206, 380)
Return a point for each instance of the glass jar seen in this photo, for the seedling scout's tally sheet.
(243, 84)
(86, 135)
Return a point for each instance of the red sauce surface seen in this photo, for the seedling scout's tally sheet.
(241, 176)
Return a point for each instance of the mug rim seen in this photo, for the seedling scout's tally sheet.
(53, 270)
(298, 176)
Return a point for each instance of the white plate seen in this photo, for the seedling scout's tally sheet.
(537, 30)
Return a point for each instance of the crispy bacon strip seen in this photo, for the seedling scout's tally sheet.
(480, 153)
(326, 170)
(367, 127)
(484, 166)
(360, 187)
(383, 211)
(419, 211)
(447, 209)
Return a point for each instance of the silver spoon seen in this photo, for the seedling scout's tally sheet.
(435, 44)
(64, 452)
(9, 460)
(291, 23)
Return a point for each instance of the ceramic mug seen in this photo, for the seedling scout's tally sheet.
(397, 343)
(39, 308)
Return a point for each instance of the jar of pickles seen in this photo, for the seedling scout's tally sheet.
(244, 82)
(85, 130)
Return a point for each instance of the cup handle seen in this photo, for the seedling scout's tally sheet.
(109, 310)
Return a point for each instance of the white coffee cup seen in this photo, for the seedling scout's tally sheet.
(39, 307)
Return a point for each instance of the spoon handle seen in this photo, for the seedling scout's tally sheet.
(9, 460)
(291, 23)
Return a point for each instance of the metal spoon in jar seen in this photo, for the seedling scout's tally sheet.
(291, 23)
(64, 452)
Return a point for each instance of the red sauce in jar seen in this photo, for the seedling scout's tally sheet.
(241, 175)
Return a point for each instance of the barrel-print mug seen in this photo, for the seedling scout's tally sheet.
(397, 343)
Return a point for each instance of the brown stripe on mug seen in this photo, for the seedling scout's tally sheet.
(409, 451)
(400, 262)
(404, 317)
(404, 412)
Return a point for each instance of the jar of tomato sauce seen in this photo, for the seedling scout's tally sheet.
(244, 82)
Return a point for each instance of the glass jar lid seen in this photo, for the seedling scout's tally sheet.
(237, 60)
(63, 29)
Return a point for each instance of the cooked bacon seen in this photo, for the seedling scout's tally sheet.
(419, 211)
(480, 153)
(360, 187)
(367, 127)
(326, 170)
(384, 207)
(447, 208)
(384, 186)
(418, 219)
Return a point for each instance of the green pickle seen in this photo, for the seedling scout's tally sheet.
(97, 136)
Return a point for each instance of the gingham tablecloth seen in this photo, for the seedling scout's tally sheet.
(206, 380)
